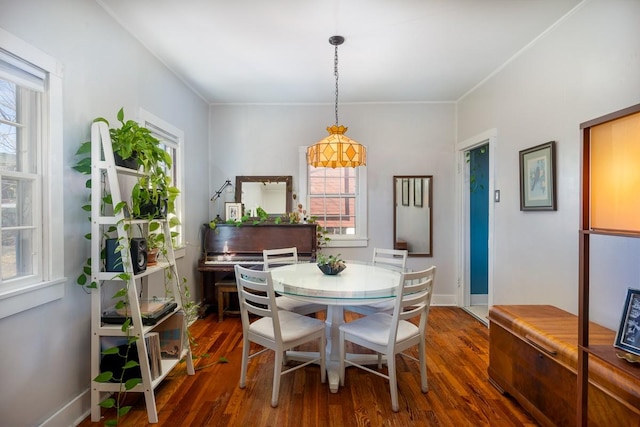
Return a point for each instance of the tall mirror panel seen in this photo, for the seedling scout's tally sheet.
(412, 216)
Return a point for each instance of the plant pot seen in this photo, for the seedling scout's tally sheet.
(152, 256)
(150, 210)
(130, 163)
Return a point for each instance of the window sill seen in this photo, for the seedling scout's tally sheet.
(18, 300)
(347, 243)
(180, 252)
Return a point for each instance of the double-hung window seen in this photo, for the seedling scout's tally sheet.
(31, 232)
(171, 139)
(337, 198)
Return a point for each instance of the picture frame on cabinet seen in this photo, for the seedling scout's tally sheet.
(538, 178)
(233, 211)
(628, 336)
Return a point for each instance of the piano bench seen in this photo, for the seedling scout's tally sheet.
(224, 288)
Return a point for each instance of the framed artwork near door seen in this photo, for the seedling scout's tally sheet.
(538, 178)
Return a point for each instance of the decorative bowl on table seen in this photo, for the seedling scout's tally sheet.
(331, 264)
(331, 270)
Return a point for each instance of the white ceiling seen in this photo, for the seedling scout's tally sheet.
(277, 51)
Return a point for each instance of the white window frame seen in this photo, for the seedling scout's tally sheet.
(20, 297)
(154, 123)
(360, 238)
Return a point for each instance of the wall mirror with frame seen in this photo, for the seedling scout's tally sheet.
(271, 193)
(412, 215)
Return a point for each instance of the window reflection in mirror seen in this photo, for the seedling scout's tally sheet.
(271, 193)
(412, 216)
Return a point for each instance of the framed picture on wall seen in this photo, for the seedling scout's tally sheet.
(417, 192)
(538, 178)
(233, 211)
(628, 337)
(405, 192)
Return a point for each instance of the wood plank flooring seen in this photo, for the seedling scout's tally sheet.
(459, 392)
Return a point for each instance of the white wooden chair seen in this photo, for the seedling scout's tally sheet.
(273, 329)
(394, 259)
(390, 335)
(276, 257)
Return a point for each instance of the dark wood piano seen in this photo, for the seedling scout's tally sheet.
(228, 245)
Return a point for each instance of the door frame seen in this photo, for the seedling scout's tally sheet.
(462, 214)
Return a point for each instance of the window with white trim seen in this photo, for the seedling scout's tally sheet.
(171, 139)
(30, 177)
(337, 198)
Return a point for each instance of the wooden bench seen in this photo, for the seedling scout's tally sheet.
(223, 289)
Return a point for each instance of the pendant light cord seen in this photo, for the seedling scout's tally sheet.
(335, 73)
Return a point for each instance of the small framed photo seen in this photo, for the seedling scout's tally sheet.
(417, 192)
(233, 211)
(628, 337)
(538, 178)
(405, 191)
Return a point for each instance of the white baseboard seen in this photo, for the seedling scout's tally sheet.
(479, 299)
(71, 414)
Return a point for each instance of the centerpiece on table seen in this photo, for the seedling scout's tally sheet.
(331, 264)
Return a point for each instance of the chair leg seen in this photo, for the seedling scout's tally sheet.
(393, 382)
(379, 360)
(342, 355)
(277, 373)
(323, 359)
(423, 366)
(245, 362)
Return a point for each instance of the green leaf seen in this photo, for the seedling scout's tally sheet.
(82, 280)
(121, 292)
(86, 208)
(120, 115)
(111, 423)
(104, 377)
(108, 403)
(87, 236)
(87, 270)
(124, 410)
(131, 383)
(111, 350)
(223, 359)
(130, 364)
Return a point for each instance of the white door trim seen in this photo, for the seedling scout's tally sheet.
(462, 212)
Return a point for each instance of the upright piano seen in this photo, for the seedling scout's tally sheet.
(230, 244)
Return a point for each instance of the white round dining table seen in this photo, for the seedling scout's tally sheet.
(358, 284)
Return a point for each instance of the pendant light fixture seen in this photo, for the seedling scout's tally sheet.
(337, 150)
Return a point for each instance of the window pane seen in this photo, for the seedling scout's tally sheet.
(7, 147)
(7, 101)
(17, 254)
(17, 196)
(332, 198)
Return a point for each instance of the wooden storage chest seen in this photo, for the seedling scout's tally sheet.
(533, 356)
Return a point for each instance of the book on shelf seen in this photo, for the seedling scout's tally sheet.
(172, 333)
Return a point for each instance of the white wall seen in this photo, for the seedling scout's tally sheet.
(587, 66)
(409, 139)
(45, 353)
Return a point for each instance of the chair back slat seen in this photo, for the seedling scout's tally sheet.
(275, 257)
(256, 296)
(390, 258)
(414, 298)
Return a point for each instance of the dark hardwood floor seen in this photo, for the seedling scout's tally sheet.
(459, 392)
